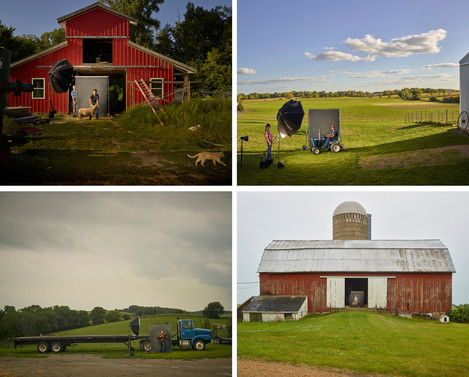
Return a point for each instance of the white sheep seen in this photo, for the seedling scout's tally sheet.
(87, 111)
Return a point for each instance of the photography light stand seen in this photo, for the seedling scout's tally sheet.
(279, 163)
(243, 139)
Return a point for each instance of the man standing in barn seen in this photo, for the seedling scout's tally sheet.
(94, 100)
(162, 341)
(74, 101)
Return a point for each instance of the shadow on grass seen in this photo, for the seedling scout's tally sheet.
(51, 166)
(423, 124)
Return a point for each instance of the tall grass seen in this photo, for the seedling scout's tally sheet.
(212, 115)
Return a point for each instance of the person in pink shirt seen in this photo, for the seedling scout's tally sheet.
(269, 140)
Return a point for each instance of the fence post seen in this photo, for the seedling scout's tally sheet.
(446, 116)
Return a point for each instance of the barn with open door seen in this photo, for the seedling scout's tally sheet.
(388, 275)
(100, 42)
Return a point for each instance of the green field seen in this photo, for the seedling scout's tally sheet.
(381, 148)
(130, 149)
(363, 342)
(119, 350)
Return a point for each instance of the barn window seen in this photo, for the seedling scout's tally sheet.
(156, 86)
(255, 317)
(97, 50)
(39, 91)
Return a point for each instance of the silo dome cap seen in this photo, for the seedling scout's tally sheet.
(350, 207)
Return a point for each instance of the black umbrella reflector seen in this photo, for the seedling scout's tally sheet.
(61, 76)
(135, 325)
(289, 118)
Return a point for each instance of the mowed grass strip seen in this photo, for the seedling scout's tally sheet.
(119, 350)
(363, 342)
(381, 149)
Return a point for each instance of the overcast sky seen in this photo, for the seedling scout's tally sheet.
(39, 16)
(363, 45)
(115, 249)
(267, 216)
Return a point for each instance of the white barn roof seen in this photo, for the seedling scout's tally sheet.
(356, 256)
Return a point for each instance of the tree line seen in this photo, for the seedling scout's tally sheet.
(35, 320)
(405, 93)
(202, 39)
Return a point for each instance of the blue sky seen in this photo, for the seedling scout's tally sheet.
(340, 45)
(37, 17)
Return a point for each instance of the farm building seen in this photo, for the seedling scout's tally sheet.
(99, 44)
(464, 84)
(389, 275)
(274, 308)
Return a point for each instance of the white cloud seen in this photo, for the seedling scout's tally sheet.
(414, 81)
(371, 74)
(441, 65)
(282, 79)
(425, 43)
(246, 71)
(337, 56)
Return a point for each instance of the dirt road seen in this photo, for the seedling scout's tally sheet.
(92, 365)
(248, 368)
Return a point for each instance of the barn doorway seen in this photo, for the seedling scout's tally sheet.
(356, 292)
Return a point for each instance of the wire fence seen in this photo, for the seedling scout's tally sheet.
(436, 116)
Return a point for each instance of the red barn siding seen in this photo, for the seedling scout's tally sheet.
(39, 68)
(97, 22)
(425, 293)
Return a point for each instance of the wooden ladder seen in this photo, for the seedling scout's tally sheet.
(151, 99)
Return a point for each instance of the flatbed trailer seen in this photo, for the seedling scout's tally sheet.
(57, 343)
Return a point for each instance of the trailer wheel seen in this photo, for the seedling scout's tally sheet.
(335, 147)
(57, 347)
(316, 150)
(43, 347)
(199, 345)
(146, 346)
(463, 120)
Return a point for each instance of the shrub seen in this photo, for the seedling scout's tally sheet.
(459, 314)
(240, 107)
(451, 99)
(432, 99)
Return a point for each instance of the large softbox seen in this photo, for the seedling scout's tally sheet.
(135, 325)
(289, 118)
(61, 76)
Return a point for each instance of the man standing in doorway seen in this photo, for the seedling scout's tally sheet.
(74, 101)
(94, 100)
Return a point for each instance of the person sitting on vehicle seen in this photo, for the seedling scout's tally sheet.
(333, 136)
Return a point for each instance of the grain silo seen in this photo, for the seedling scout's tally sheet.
(464, 84)
(351, 222)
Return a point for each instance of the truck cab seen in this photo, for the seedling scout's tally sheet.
(190, 337)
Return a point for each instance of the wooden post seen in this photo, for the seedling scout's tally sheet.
(446, 116)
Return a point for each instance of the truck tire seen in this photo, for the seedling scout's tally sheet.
(146, 346)
(199, 345)
(43, 347)
(56, 347)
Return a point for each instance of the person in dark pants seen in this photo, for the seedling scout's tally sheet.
(74, 101)
(162, 341)
(333, 136)
(94, 100)
(269, 140)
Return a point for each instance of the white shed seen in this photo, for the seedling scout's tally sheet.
(275, 308)
(464, 84)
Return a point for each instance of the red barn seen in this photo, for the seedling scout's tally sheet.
(99, 43)
(353, 271)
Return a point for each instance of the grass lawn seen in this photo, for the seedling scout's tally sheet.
(363, 342)
(381, 149)
(116, 350)
(132, 149)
